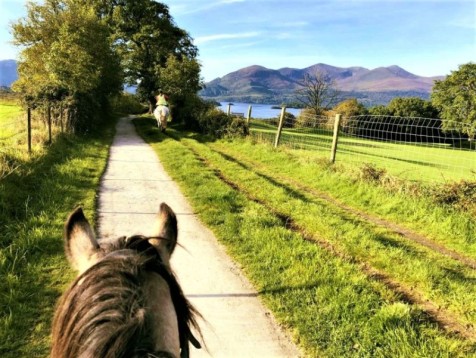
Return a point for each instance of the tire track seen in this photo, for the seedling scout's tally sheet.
(445, 320)
(363, 216)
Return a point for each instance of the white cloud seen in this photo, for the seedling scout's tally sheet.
(218, 37)
(192, 8)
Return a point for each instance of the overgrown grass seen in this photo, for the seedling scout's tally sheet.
(321, 289)
(35, 200)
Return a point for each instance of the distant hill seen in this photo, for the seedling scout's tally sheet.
(8, 72)
(260, 84)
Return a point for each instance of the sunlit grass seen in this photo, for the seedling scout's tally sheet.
(428, 162)
(327, 301)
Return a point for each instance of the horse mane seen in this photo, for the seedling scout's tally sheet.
(104, 314)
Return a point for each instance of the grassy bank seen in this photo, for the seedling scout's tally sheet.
(342, 283)
(35, 199)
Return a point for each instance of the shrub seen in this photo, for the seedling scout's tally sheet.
(370, 173)
(216, 123)
(289, 120)
(461, 195)
(307, 118)
(458, 195)
(237, 127)
(127, 103)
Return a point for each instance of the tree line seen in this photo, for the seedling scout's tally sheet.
(452, 103)
(78, 54)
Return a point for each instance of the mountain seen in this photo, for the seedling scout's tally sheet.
(260, 84)
(8, 72)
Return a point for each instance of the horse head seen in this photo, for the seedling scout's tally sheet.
(125, 301)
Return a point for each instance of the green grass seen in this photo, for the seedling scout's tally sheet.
(9, 111)
(11, 119)
(35, 200)
(410, 161)
(325, 293)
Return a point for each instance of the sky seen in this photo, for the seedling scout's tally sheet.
(425, 37)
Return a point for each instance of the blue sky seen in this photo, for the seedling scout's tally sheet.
(426, 37)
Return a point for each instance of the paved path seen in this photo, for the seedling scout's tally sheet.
(132, 188)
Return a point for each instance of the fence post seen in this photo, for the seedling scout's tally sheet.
(280, 126)
(28, 124)
(61, 118)
(228, 111)
(248, 117)
(49, 124)
(335, 138)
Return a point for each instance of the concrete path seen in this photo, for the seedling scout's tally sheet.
(132, 188)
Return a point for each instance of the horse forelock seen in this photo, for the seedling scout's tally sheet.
(104, 313)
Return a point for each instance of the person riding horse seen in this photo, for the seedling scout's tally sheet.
(162, 111)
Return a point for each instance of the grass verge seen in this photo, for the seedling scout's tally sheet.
(35, 200)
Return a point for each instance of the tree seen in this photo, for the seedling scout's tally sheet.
(455, 97)
(349, 108)
(318, 92)
(145, 36)
(379, 110)
(181, 80)
(67, 57)
(412, 107)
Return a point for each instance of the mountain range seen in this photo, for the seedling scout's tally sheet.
(258, 84)
(261, 84)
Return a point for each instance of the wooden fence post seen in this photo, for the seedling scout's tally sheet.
(228, 111)
(61, 117)
(280, 126)
(248, 117)
(49, 124)
(28, 124)
(335, 138)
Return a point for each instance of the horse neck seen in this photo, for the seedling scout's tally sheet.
(165, 327)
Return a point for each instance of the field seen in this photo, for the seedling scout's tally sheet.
(347, 267)
(14, 129)
(11, 116)
(428, 162)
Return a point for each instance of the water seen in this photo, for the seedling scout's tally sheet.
(257, 110)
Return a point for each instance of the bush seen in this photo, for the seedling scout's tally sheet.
(289, 120)
(237, 127)
(216, 123)
(460, 195)
(372, 174)
(307, 118)
(127, 103)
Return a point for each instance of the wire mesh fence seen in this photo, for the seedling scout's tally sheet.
(25, 132)
(417, 149)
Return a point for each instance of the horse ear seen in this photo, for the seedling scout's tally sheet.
(81, 245)
(165, 230)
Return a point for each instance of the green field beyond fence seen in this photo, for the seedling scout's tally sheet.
(26, 131)
(416, 152)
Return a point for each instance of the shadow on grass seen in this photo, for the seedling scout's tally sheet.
(34, 202)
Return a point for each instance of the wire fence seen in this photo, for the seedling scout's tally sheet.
(417, 149)
(25, 132)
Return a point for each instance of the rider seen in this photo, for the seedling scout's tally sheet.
(162, 111)
(162, 99)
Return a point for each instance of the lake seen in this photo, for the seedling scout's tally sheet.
(257, 110)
